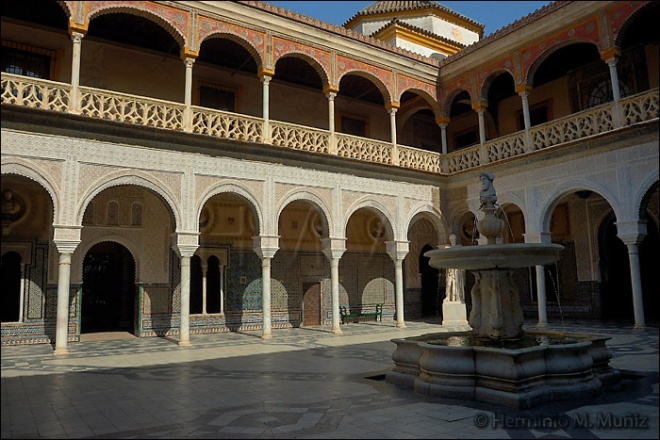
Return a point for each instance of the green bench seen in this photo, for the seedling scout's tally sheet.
(347, 313)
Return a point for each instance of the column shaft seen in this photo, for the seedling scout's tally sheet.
(63, 287)
(636, 281)
(184, 328)
(541, 296)
(265, 301)
(398, 283)
(334, 277)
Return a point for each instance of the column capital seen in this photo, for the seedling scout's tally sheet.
(77, 30)
(480, 105)
(263, 72)
(266, 245)
(397, 250)
(185, 243)
(523, 88)
(188, 56)
(442, 119)
(66, 238)
(392, 106)
(328, 88)
(610, 54)
(333, 247)
(631, 232)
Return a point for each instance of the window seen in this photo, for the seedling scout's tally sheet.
(217, 97)
(466, 138)
(353, 125)
(538, 114)
(23, 59)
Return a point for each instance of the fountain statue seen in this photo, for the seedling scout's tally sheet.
(497, 362)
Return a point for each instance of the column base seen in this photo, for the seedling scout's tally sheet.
(184, 343)
(639, 327)
(61, 351)
(336, 331)
(542, 324)
(267, 336)
(400, 325)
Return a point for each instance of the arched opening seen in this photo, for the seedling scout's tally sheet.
(615, 288)
(108, 289)
(431, 295)
(11, 287)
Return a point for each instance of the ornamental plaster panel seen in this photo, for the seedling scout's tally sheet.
(175, 21)
(256, 41)
(385, 205)
(282, 47)
(429, 91)
(46, 173)
(96, 178)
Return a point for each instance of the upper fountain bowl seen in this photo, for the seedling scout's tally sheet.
(495, 256)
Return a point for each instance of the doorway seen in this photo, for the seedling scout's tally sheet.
(311, 304)
(108, 289)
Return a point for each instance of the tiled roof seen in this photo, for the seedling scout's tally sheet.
(383, 7)
(396, 21)
(340, 30)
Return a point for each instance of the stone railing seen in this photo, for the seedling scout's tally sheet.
(576, 126)
(299, 137)
(35, 93)
(368, 150)
(121, 107)
(417, 159)
(640, 107)
(226, 125)
(101, 104)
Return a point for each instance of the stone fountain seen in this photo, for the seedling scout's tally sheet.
(497, 362)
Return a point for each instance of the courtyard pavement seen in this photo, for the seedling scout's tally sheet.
(303, 383)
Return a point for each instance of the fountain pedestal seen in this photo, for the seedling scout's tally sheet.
(496, 311)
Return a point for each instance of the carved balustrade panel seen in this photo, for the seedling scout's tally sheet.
(506, 147)
(299, 137)
(640, 108)
(226, 125)
(368, 150)
(131, 109)
(419, 159)
(573, 127)
(464, 159)
(35, 93)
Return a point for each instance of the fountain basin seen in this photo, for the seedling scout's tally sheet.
(495, 256)
(518, 374)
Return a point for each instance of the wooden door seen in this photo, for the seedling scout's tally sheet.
(311, 306)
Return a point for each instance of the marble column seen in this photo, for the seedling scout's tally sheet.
(395, 148)
(541, 297)
(334, 248)
(222, 290)
(616, 92)
(636, 281)
(632, 233)
(205, 268)
(74, 104)
(266, 247)
(331, 122)
(397, 250)
(265, 80)
(185, 252)
(443, 130)
(65, 249)
(527, 120)
(187, 97)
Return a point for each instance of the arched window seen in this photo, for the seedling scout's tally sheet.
(136, 214)
(113, 213)
(11, 287)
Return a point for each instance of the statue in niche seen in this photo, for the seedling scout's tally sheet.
(12, 205)
(455, 281)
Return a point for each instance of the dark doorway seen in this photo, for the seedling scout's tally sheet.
(431, 297)
(648, 262)
(108, 290)
(11, 287)
(311, 304)
(615, 288)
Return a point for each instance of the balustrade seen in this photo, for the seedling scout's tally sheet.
(102, 104)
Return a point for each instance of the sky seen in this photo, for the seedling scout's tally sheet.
(494, 14)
